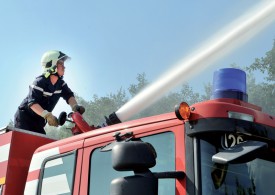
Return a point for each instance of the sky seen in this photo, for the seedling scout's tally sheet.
(110, 42)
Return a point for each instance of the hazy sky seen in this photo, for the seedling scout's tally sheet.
(111, 41)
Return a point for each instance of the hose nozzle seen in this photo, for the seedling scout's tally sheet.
(112, 119)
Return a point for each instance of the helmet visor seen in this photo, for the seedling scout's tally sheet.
(63, 57)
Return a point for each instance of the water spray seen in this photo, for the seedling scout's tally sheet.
(221, 44)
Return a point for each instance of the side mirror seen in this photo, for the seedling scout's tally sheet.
(137, 156)
(134, 156)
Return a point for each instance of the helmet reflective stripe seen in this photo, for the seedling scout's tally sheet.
(49, 61)
(49, 71)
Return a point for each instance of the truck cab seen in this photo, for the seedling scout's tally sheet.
(83, 164)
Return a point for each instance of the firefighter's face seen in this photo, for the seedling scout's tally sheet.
(60, 68)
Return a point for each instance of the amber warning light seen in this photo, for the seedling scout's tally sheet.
(182, 111)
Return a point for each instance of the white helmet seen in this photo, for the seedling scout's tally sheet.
(49, 61)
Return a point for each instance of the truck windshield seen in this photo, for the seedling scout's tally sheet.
(253, 177)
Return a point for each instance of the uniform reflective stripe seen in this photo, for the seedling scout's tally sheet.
(31, 187)
(55, 185)
(4, 152)
(64, 84)
(38, 88)
(45, 93)
(40, 156)
(50, 94)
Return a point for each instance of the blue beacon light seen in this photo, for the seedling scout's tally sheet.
(229, 83)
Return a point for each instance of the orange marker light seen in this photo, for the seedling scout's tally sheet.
(182, 111)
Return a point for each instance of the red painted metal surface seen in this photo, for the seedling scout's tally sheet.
(22, 147)
(5, 140)
(221, 107)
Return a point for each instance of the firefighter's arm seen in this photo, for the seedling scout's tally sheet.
(75, 107)
(51, 119)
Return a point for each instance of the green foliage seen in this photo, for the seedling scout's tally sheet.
(59, 132)
(265, 64)
(263, 93)
(207, 92)
(52, 132)
(99, 107)
(134, 89)
(167, 103)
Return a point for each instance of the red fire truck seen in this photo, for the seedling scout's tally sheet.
(221, 146)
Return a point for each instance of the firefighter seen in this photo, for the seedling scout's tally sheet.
(35, 110)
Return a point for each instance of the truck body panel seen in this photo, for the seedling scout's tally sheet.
(17, 147)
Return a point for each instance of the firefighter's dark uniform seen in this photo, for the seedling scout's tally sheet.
(46, 95)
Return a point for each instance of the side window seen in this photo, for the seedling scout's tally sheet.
(58, 175)
(102, 172)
